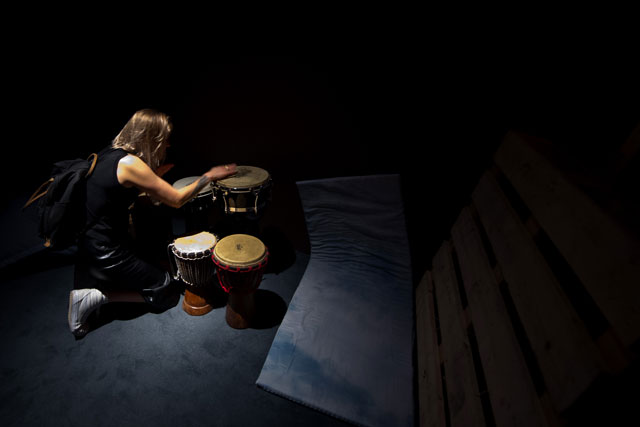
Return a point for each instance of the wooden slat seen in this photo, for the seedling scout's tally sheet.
(431, 404)
(567, 356)
(465, 407)
(603, 256)
(512, 393)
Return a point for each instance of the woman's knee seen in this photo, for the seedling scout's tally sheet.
(164, 296)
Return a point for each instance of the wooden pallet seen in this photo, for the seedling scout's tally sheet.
(533, 299)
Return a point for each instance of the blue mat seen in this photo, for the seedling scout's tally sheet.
(345, 345)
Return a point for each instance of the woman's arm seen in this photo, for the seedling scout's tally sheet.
(133, 172)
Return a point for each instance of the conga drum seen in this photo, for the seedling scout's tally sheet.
(192, 256)
(240, 260)
(196, 211)
(246, 193)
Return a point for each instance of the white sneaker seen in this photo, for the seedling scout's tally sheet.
(82, 302)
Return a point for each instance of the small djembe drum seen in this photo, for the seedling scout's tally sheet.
(192, 256)
(240, 260)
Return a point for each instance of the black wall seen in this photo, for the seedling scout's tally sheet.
(432, 112)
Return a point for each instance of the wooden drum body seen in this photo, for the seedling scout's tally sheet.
(240, 260)
(192, 256)
(247, 193)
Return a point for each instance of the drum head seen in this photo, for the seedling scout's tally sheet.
(196, 243)
(181, 183)
(240, 250)
(245, 177)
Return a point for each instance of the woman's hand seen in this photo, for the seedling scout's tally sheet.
(221, 172)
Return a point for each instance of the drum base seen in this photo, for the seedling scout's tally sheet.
(240, 310)
(195, 305)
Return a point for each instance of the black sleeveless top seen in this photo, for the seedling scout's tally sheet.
(108, 201)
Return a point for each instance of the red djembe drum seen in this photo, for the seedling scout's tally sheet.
(192, 255)
(240, 260)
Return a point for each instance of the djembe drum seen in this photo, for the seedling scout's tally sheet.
(240, 260)
(192, 256)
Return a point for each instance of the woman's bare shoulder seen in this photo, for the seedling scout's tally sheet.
(132, 170)
(131, 160)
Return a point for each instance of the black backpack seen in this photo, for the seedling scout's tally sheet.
(61, 202)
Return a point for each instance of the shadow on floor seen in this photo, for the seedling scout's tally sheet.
(270, 309)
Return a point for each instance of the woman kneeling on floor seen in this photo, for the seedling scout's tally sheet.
(133, 163)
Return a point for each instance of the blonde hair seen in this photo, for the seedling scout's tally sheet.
(146, 135)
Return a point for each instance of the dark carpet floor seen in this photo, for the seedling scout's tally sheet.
(136, 367)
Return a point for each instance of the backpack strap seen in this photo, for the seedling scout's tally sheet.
(35, 196)
(93, 163)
